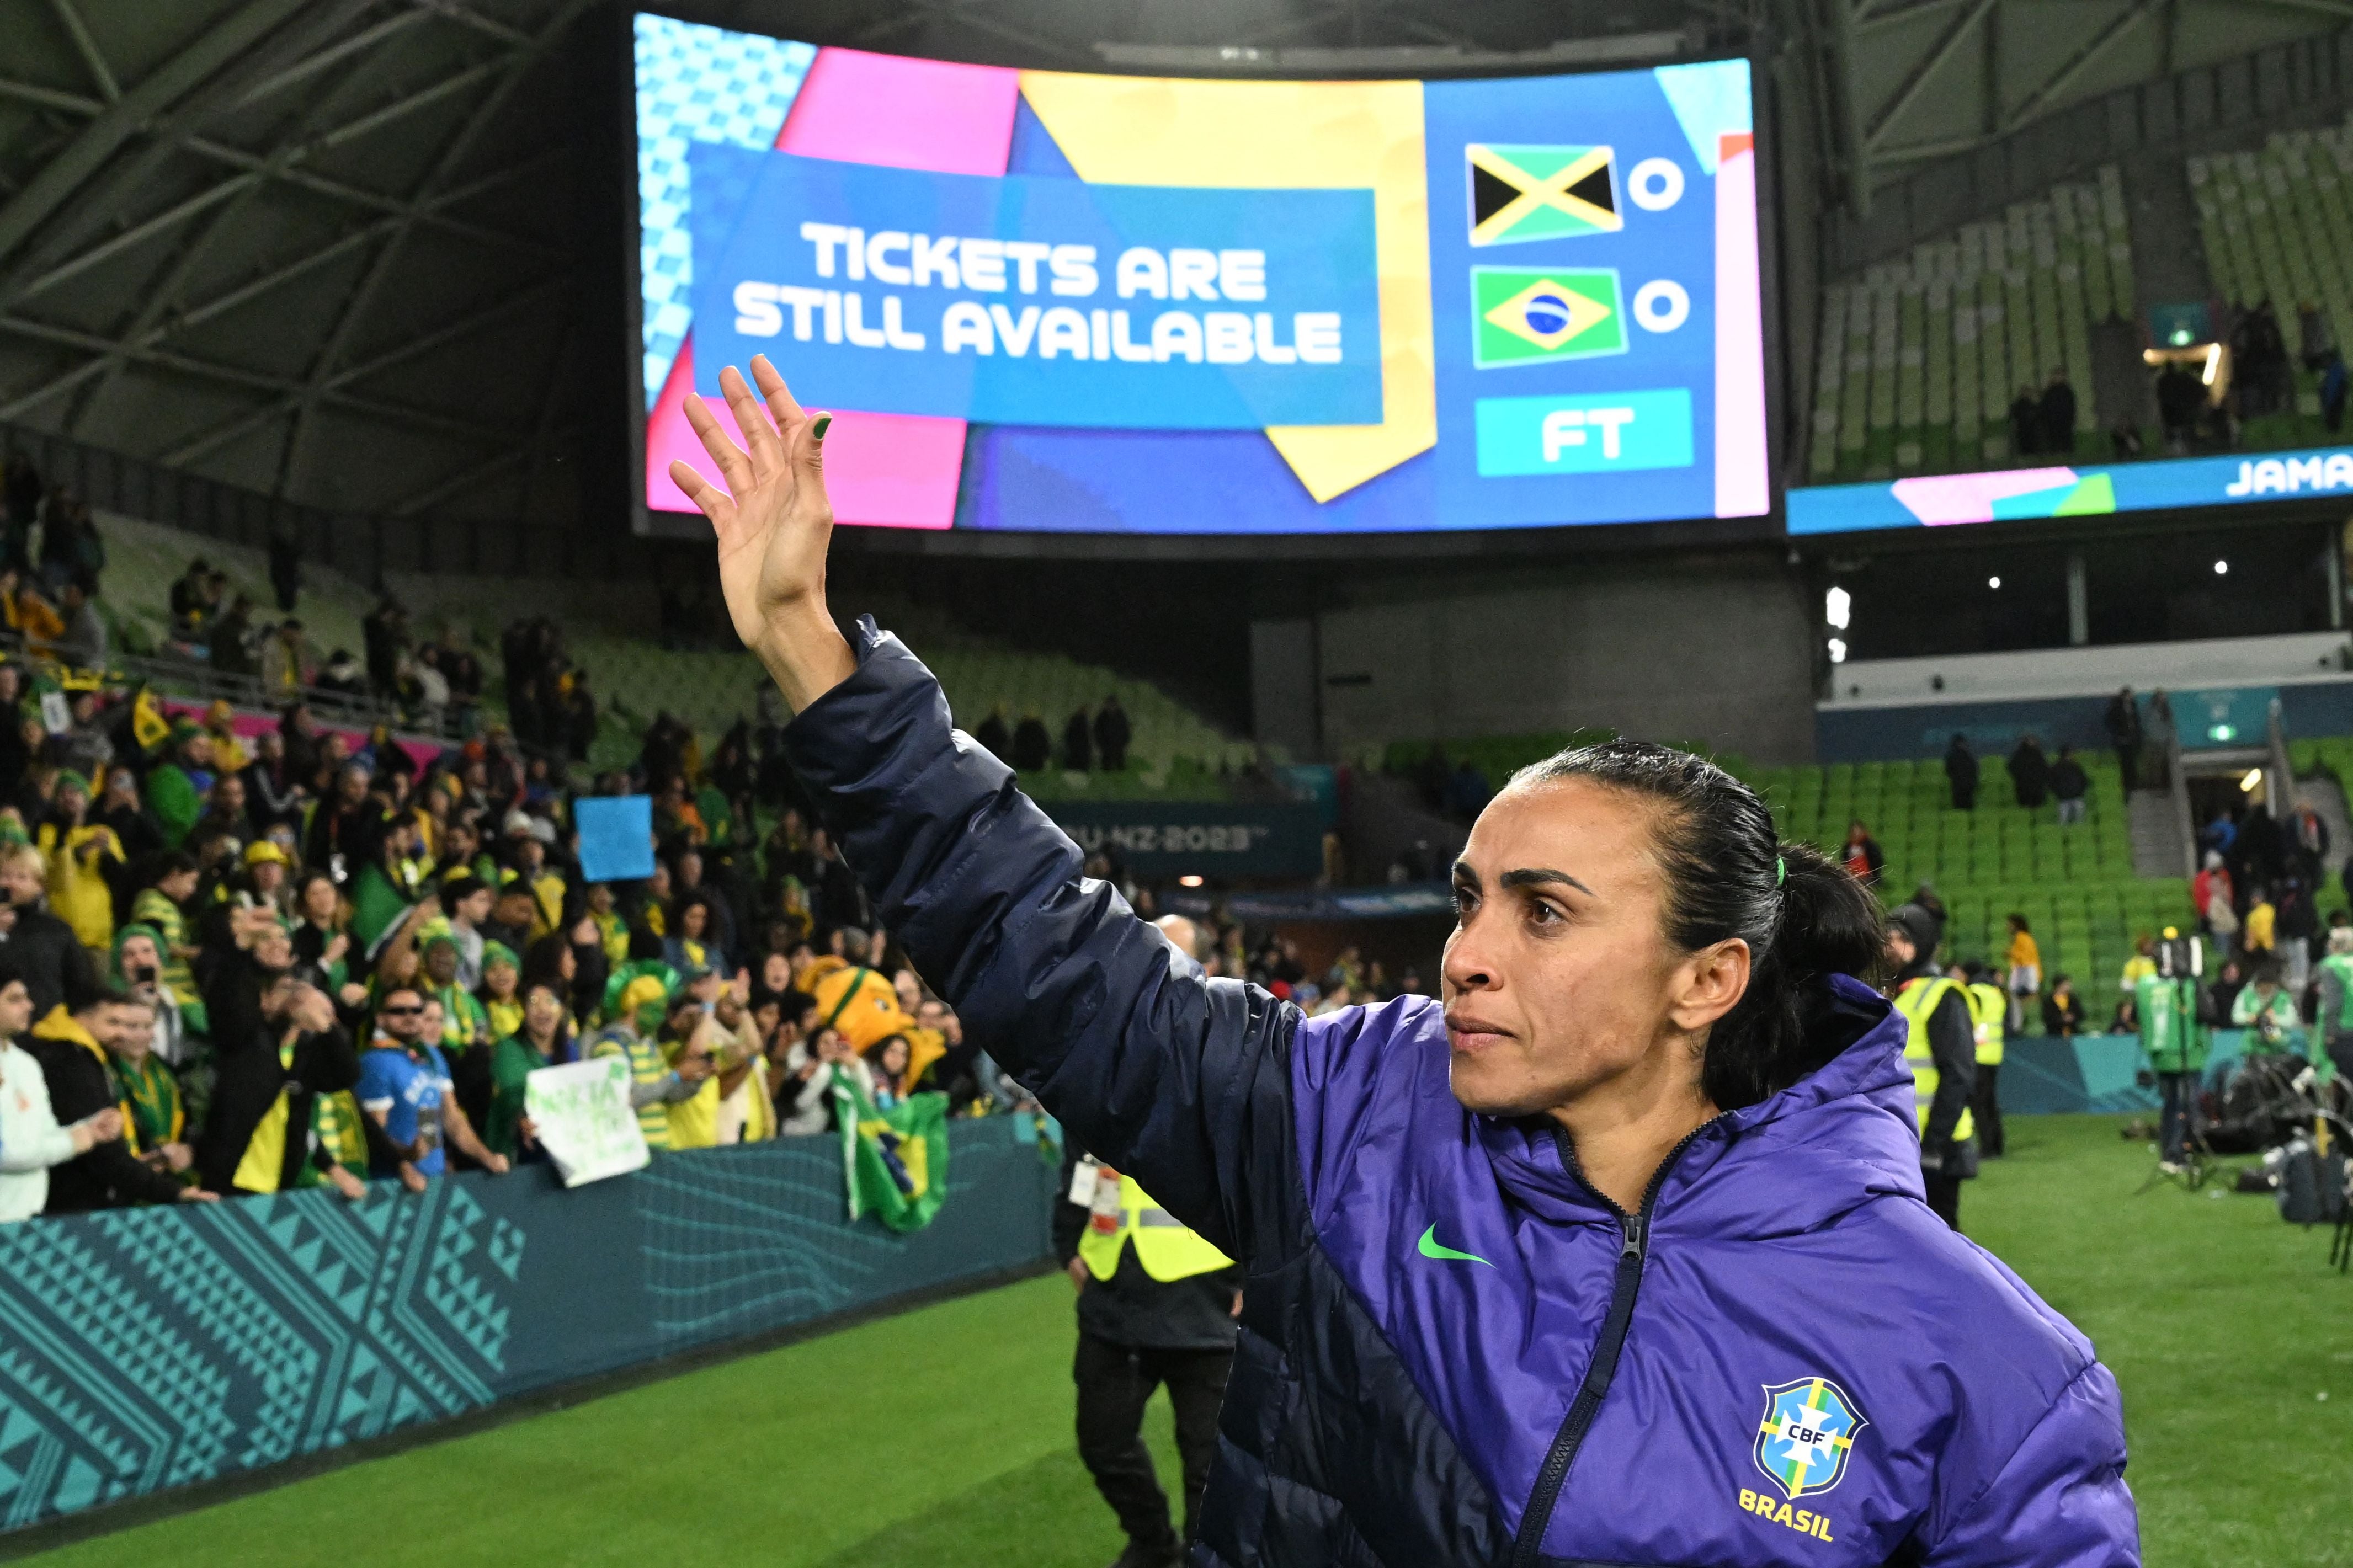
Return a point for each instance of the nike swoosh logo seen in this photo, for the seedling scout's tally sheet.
(1432, 1248)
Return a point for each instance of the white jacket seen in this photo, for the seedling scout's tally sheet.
(812, 1102)
(30, 1138)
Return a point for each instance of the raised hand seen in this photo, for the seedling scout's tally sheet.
(772, 522)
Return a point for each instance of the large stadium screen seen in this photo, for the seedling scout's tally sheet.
(1108, 304)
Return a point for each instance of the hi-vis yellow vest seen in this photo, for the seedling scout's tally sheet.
(1991, 1009)
(1917, 1001)
(1163, 1244)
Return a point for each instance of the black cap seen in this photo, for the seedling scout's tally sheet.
(1918, 926)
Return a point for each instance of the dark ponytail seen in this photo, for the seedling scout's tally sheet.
(1803, 916)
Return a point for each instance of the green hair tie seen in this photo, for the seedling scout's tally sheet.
(1780, 870)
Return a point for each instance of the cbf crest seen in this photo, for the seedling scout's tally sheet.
(1809, 1429)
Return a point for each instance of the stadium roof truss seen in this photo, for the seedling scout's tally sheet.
(1914, 82)
(302, 244)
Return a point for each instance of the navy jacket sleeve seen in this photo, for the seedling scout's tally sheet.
(1179, 1079)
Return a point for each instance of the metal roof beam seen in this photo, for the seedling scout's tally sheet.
(301, 397)
(189, 68)
(464, 479)
(123, 350)
(246, 292)
(50, 98)
(2057, 82)
(273, 167)
(1870, 14)
(362, 295)
(450, 11)
(374, 201)
(123, 185)
(1916, 80)
(1927, 151)
(2338, 8)
(261, 381)
(319, 60)
(137, 234)
(164, 295)
(68, 337)
(290, 173)
(87, 46)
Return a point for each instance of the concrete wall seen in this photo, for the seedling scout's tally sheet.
(2089, 671)
(1282, 686)
(1713, 649)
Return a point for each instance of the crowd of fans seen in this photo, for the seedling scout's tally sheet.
(239, 960)
(241, 956)
(244, 949)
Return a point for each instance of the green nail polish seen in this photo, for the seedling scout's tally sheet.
(822, 421)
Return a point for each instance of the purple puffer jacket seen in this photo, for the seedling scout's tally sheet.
(1453, 1349)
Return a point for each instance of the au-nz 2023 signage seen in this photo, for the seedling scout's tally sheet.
(1207, 837)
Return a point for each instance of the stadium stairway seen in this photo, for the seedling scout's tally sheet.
(2161, 837)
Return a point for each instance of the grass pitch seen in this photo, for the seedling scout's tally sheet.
(943, 1435)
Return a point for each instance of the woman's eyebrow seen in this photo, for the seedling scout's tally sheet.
(1539, 875)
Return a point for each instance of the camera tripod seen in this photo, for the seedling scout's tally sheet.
(2192, 1171)
(2196, 1166)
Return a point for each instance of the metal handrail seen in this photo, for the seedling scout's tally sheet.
(196, 681)
(2282, 789)
(202, 681)
(2177, 783)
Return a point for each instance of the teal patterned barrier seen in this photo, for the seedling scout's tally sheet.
(2043, 1074)
(154, 1348)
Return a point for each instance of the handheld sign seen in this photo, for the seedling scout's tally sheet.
(581, 1117)
(616, 837)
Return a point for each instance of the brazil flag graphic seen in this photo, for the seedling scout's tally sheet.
(1541, 192)
(1525, 314)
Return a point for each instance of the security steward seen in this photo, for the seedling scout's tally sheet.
(1990, 1007)
(1156, 1305)
(1941, 1050)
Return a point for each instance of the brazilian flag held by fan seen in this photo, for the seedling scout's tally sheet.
(896, 1160)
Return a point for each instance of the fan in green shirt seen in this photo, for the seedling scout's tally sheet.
(544, 1040)
(172, 797)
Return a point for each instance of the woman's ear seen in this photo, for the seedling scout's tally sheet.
(1708, 984)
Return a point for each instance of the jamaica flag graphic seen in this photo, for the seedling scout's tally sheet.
(1541, 192)
(1523, 314)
